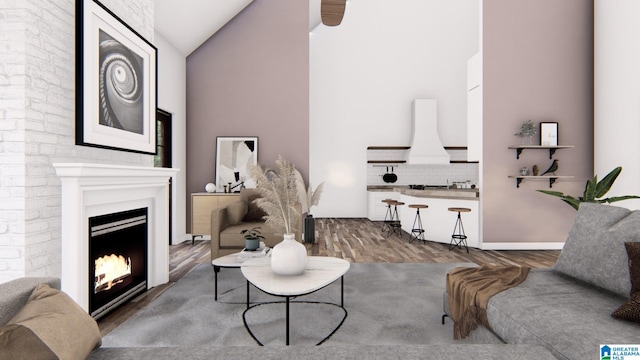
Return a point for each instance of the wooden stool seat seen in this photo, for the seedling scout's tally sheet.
(418, 206)
(398, 203)
(459, 209)
(386, 201)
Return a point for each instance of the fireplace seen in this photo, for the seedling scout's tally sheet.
(94, 190)
(117, 259)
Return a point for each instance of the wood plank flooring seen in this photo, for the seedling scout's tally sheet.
(356, 240)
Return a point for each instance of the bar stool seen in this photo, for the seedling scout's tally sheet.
(458, 238)
(394, 224)
(388, 216)
(417, 231)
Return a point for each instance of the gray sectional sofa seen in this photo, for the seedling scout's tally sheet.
(567, 309)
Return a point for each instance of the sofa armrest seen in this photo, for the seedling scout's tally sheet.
(219, 222)
(15, 293)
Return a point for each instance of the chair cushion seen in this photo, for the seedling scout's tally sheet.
(236, 211)
(595, 252)
(565, 315)
(231, 236)
(59, 323)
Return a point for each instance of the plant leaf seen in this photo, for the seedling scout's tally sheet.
(620, 198)
(553, 193)
(573, 202)
(590, 190)
(605, 184)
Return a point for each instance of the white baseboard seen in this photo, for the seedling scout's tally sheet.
(522, 246)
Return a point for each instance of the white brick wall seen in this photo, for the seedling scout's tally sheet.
(37, 125)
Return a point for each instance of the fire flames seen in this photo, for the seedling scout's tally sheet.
(110, 270)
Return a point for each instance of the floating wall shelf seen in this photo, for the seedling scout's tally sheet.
(552, 179)
(552, 149)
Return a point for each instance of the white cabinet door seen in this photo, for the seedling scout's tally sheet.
(378, 209)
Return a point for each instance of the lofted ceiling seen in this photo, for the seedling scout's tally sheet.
(186, 24)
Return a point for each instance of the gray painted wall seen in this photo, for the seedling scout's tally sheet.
(538, 65)
(250, 79)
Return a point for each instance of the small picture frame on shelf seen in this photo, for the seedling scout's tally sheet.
(549, 133)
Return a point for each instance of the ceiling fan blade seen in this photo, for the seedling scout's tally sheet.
(332, 11)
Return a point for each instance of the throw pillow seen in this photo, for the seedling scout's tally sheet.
(630, 310)
(633, 253)
(60, 323)
(236, 211)
(594, 251)
(19, 342)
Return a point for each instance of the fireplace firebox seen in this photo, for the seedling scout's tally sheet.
(117, 259)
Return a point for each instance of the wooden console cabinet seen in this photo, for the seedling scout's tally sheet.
(201, 206)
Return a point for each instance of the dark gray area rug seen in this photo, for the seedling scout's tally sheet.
(387, 304)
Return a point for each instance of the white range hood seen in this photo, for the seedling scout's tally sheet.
(426, 147)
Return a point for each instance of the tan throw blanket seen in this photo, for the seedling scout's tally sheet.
(470, 289)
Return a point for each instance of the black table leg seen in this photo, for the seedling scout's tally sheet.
(287, 321)
(247, 294)
(342, 291)
(216, 270)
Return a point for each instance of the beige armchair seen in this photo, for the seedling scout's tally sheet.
(227, 223)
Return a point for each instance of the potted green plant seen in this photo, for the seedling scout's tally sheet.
(527, 132)
(252, 238)
(593, 191)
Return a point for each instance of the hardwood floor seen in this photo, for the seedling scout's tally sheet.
(356, 240)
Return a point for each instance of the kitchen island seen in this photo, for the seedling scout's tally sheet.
(437, 221)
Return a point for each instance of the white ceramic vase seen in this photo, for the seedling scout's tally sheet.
(289, 257)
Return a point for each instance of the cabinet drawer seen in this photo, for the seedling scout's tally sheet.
(201, 206)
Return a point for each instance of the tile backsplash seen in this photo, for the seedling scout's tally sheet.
(424, 174)
(420, 174)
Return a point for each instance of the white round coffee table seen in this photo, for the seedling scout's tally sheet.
(227, 261)
(321, 271)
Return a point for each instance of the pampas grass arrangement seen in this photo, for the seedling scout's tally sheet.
(279, 195)
(308, 197)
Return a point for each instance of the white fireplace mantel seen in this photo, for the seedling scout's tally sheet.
(97, 189)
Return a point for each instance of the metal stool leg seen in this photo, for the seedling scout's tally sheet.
(458, 237)
(387, 218)
(395, 225)
(417, 232)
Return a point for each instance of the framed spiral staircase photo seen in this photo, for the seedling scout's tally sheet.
(116, 78)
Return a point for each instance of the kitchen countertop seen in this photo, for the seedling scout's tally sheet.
(466, 194)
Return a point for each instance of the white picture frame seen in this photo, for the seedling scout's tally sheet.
(116, 82)
(549, 133)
